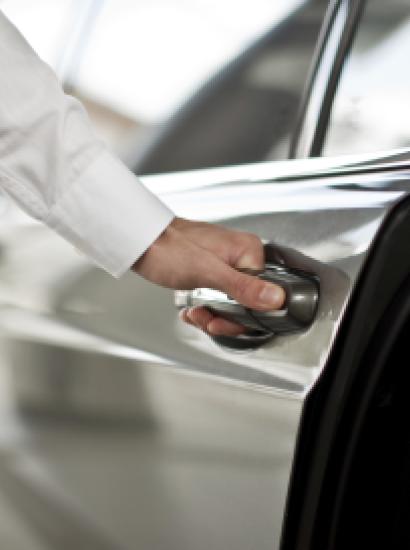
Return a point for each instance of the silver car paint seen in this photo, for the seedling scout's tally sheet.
(212, 431)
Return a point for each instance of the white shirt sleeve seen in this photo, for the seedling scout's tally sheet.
(55, 168)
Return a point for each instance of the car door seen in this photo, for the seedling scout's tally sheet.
(364, 493)
(131, 430)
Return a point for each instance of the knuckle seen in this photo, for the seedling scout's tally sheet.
(256, 239)
(249, 240)
(240, 286)
(253, 245)
(248, 288)
(253, 239)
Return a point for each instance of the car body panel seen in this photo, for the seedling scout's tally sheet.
(213, 430)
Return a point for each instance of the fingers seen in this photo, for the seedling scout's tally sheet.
(221, 327)
(203, 319)
(197, 316)
(174, 261)
(248, 290)
(251, 252)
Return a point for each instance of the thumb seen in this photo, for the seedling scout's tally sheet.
(249, 290)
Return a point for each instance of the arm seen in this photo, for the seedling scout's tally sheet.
(60, 173)
(55, 168)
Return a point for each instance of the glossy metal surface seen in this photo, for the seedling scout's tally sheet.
(170, 440)
(334, 44)
(297, 313)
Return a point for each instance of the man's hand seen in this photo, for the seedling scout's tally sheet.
(189, 255)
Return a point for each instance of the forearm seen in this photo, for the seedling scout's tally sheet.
(55, 168)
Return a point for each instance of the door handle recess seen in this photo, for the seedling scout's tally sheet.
(297, 313)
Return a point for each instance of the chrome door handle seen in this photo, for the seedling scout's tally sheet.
(298, 312)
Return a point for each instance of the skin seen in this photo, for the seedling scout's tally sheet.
(190, 255)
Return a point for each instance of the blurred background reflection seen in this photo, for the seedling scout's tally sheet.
(135, 65)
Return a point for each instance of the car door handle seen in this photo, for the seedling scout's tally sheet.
(297, 313)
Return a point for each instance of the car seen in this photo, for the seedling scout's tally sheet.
(124, 428)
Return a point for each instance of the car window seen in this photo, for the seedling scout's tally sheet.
(246, 112)
(371, 111)
(174, 85)
(139, 61)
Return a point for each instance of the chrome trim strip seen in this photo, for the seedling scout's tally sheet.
(333, 47)
(298, 169)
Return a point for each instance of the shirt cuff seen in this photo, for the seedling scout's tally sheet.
(109, 215)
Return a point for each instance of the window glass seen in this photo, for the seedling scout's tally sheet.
(157, 54)
(247, 110)
(135, 63)
(372, 107)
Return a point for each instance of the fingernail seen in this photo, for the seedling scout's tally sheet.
(210, 328)
(272, 296)
(247, 262)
